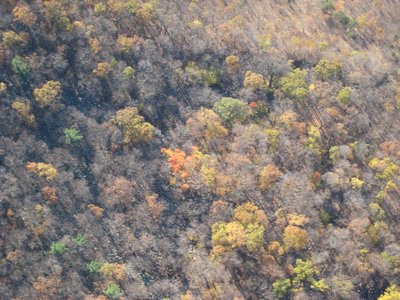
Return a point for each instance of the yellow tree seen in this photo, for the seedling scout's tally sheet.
(134, 128)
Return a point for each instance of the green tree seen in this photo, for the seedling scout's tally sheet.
(344, 96)
(282, 287)
(94, 266)
(230, 109)
(79, 240)
(113, 291)
(327, 70)
(72, 135)
(20, 67)
(58, 248)
(295, 84)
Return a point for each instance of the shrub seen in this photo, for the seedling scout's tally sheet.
(24, 109)
(20, 67)
(72, 135)
(49, 95)
(113, 270)
(295, 84)
(129, 72)
(254, 81)
(269, 176)
(391, 293)
(326, 6)
(102, 69)
(58, 248)
(3, 88)
(230, 109)
(44, 170)
(295, 238)
(94, 266)
(22, 13)
(210, 77)
(232, 61)
(356, 183)
(327, 70)
(79, 240)
(344, 19)
(126, 44)
(11, 39)
(113, 291)
(282, 287)
(246, 229)
(134, 128)
(344, 96)
(50, 194)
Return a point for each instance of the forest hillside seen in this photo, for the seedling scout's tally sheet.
(200, 149)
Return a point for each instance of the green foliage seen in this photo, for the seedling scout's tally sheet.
(100, 8)
(304, 274)
(304, 271)
(113, 291)
(129, 72)
(94, 266)
(79, 240)
(374, 232)
(377, 212)
(325, 217)
(230, 109)
(20, 67)
(319, 285)
(295, 84)
(326, 5)
(344, 96)
(334, 154)
(344, 19)
(282, 287)
(210, 76)
(72, 135)
(327, 70)
(392, 261)
(58, 248)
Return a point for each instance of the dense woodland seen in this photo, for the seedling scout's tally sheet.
(202, 149)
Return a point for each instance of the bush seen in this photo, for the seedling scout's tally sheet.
(20, 67)
(94, 266)
(11, 39)
(72, 135)
(327, 70)
(344, 19)
(295, 238)
(24, 109)
(391, 293)
(282, 287)
(295, 84)
(344, 96)
(113, 291)
(44, 170)
(230, 109)
(254, 81)
(23, 14)
(326, 6)
(134, 128)
(49, 95)
(129, 72)
(79, 240)
(58, 248)
(269, 176)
